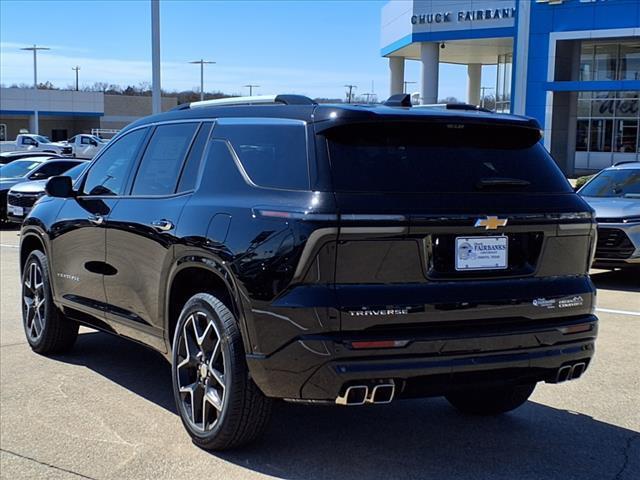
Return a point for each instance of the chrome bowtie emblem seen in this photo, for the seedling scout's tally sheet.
(491, 223)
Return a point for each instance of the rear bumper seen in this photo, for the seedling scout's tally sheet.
(318, 367)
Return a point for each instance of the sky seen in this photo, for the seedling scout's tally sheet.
(306, 47)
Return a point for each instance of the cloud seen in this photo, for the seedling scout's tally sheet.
(17, 66)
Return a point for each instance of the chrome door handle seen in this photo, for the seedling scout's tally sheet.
(162, 225)
(96, 219)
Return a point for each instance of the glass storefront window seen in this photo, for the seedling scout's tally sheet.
(503, 84)
(586, 62)
(629, 61)
(626, 136)
(608, 122)
(627, 105)
(601, 134)
(603, 104)
(582, 136)
(606, 59)
(609, 61)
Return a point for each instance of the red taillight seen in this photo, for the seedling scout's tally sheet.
(380, 344)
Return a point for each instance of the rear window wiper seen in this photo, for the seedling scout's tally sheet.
(498, 182)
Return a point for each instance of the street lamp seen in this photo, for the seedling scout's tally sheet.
(156, 91)
(404, 87)
(251, 87)
(202, 63)
(35, 49)
(76, 69)
(350, 89)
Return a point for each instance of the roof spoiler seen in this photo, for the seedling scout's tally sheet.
(399, 100)
(253, 100)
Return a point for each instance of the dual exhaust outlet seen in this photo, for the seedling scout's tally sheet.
(570, 372)
(360, 394)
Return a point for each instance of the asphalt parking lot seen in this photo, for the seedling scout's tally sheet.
(105, 411)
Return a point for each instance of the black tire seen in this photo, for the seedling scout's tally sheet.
(56, 333)
(491, 401)
(244, 412)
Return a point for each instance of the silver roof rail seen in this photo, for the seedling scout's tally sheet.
(254, 100)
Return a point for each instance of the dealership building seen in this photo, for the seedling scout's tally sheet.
(574, 65)
(64, 113)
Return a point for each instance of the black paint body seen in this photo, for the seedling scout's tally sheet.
(295, 278)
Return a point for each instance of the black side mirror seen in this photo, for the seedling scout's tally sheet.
(94, 143)
(60, 187)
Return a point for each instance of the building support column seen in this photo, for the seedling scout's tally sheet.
(474, 78)
(430, 59)
(33, 123)
(396, 75)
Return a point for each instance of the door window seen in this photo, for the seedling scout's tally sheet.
(108, 176)
(162, 161)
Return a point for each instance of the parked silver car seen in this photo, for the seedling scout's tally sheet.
(614, 193)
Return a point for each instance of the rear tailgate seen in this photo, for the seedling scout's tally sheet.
(410, 199)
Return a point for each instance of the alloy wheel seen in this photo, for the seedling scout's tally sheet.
(34, 299)
(200, 372)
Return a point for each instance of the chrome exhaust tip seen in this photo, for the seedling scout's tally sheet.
(353, 395)
(564, 374)
(577, 370)
(383, 393)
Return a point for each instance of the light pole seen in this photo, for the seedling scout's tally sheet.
(76, 69)
(202, 63)
(35, 49)
(404, 86)
(156, 99)
(251, 87)
(349, 95)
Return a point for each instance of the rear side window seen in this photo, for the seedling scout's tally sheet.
(162, 160)
(422, 158)
(189, 175)
(272, 154)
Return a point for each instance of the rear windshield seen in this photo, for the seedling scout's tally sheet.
(441, 158)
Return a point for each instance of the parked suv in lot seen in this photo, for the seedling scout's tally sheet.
(273, 248)
(614, 194)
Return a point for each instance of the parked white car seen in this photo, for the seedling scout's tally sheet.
(35, 143)
(85, 146)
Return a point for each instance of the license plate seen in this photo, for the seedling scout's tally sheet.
(482, 253)
(17, 211)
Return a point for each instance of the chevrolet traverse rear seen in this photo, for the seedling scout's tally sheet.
(273, 248)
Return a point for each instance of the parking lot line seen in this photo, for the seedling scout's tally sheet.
(619, 312)
(8, 246)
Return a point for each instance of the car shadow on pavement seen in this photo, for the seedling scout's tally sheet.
(411, 439)
(627, 280)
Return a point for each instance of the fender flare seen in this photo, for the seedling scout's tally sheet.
(208, 262)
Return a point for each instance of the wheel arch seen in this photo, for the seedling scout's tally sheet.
(30, 241)
(198, 274)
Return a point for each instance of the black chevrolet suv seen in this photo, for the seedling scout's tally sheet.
(273, 248)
